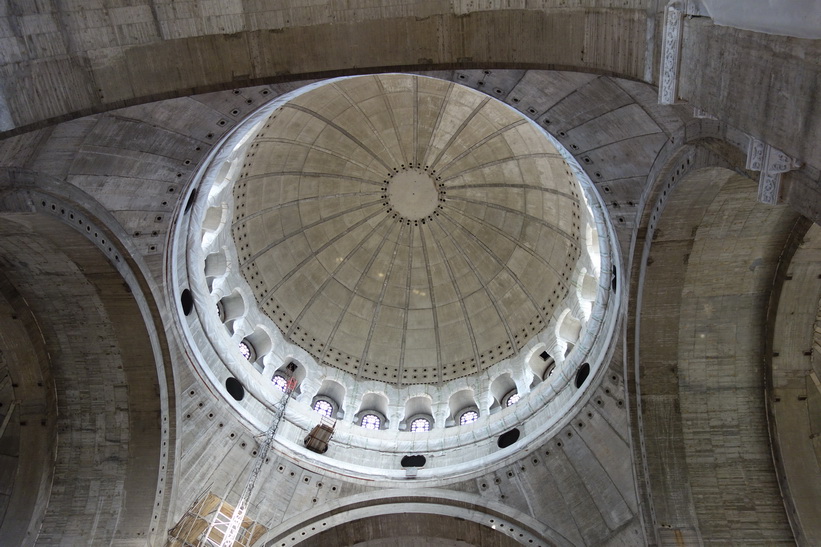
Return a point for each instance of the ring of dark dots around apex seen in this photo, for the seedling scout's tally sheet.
(440, 189)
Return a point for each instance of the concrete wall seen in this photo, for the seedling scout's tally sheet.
(85, 57)
(131, 166)
(99, 467)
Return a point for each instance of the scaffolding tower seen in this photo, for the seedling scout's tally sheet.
(213, 522)
(193, 528)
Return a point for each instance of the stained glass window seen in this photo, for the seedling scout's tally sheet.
(280, 381)
(245, 350)
(420, 424)
(324, 407)
(371, 421)
(468, 417)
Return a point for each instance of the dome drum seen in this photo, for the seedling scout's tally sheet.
(415, 282)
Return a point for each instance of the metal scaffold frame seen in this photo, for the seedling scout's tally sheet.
(231, 530)
(213, 522)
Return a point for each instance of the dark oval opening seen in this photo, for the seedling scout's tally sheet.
(234, 388)
(613, 279)
(582, 374)
(191, 199)
(414, 461)
(187, 301)
(508, 438)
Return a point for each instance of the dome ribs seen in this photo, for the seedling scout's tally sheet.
(297, 201)
(311, 145)
(553, 191)
(530, 251)
(310, 174)
(506, 209)
(269, 294)
(501, 161)
(367, 121)
(389, 109)
(490, 295)
(375, 319)
(338, 322)
(432, 301)
(301, 229)
(462, 305)
(439, 117)
(415, 121)
(332, 276)
(472, 148)
(458, 132)
(342, 130)
(401, 371)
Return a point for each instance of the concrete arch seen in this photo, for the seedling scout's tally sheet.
(793, 341)
(569, 327)
(233, 305)
(374, 403)
(216, 218)
(501, 386)
(334, 391)
(168, 60)
(487, 518)
(694, 291)
(82, 294)
(541, 363)
(459, 401)
(216, 264)
(418, 407)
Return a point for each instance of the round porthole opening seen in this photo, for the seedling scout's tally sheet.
(582, 374)
(235, 388)
(187, 301)
(414, 461)
(508, 438)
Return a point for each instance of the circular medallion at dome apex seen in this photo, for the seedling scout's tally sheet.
(405, 229)
(414, 195)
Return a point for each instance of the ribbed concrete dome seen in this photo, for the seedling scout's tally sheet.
(405, 229)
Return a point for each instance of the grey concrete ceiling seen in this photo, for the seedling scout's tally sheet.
(713, 257)
(86, 434)
(63, 61)
(130, 166)
(671, 447)
(413, 530)
(406, 229)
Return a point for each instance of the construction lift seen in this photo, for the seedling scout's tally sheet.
(317, 439)
(213, 522)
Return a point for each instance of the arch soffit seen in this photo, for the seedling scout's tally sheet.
(149, 81)
(701, 169)
(99, 238)
(704, 149)
(397, 501)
